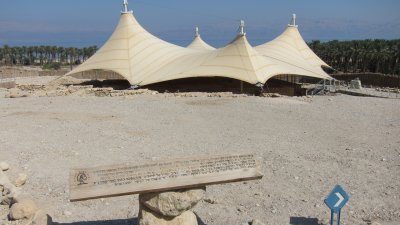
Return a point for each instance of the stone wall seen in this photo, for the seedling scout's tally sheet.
(26, 71)
(374, 79)
(7, 84)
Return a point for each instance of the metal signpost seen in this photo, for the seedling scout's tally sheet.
(335, 201)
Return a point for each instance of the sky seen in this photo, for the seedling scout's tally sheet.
(79, 23)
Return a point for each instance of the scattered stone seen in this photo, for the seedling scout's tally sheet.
(210, 200)
(24, 209)
(9, 190)
(276, 95)
(4, 166)
(172, 203)
(375, 223)
(146, 217)
(324, 222)
(41, 218)
(21, 180)
(15, 93)
(257, 222)
(67, 213)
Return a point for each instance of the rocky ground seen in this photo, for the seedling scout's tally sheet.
(308, 145)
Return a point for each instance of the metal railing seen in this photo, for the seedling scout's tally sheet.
(322, 87)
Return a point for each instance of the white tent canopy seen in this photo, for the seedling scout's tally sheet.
(198, 43)
(144, 59)
(291, 48)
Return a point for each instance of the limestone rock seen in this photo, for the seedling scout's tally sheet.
(276, 95)
(67, 213)
(257, 222)
(210, 200)
(375, 223)
(9, 191)
(147, 217)
(25, 208)
(172, 203)
(8, 196)
(21, 180)
(355, 84)
(41, 218)
(4, 166)
(14, 93)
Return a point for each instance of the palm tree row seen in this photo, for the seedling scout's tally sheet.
(41, 55)
(376, 56)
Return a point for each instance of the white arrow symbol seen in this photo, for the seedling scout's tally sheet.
(341, 198)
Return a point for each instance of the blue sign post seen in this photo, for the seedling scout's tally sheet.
(335, 201)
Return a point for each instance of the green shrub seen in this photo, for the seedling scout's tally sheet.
(52, 66)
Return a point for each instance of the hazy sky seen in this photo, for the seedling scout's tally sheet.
(88, 22)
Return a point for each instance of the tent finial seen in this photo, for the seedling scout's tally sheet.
(197, 32)
(241, 28)
(125, 9)
(293, 22)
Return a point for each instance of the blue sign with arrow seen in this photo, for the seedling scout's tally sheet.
(335, 201)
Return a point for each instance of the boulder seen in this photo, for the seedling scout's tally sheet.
(23, 209)
(41, 218)
(9, 191)
(14, 93)
(21, 180)
(172, 203)
(4, 166)
(9, 195)
(147, 217)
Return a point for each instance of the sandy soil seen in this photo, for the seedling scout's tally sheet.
(307, 147)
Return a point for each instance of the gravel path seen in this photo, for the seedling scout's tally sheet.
(307, 147)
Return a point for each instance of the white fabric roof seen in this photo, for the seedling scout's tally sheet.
(291, 48)
(144, 59)
(199, 44)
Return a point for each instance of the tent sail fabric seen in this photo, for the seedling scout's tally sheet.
(198, 43)
(291, 48)
(144, 59)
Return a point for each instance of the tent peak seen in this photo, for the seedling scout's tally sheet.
(241, 28)
(125, 9)
(293, 22)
